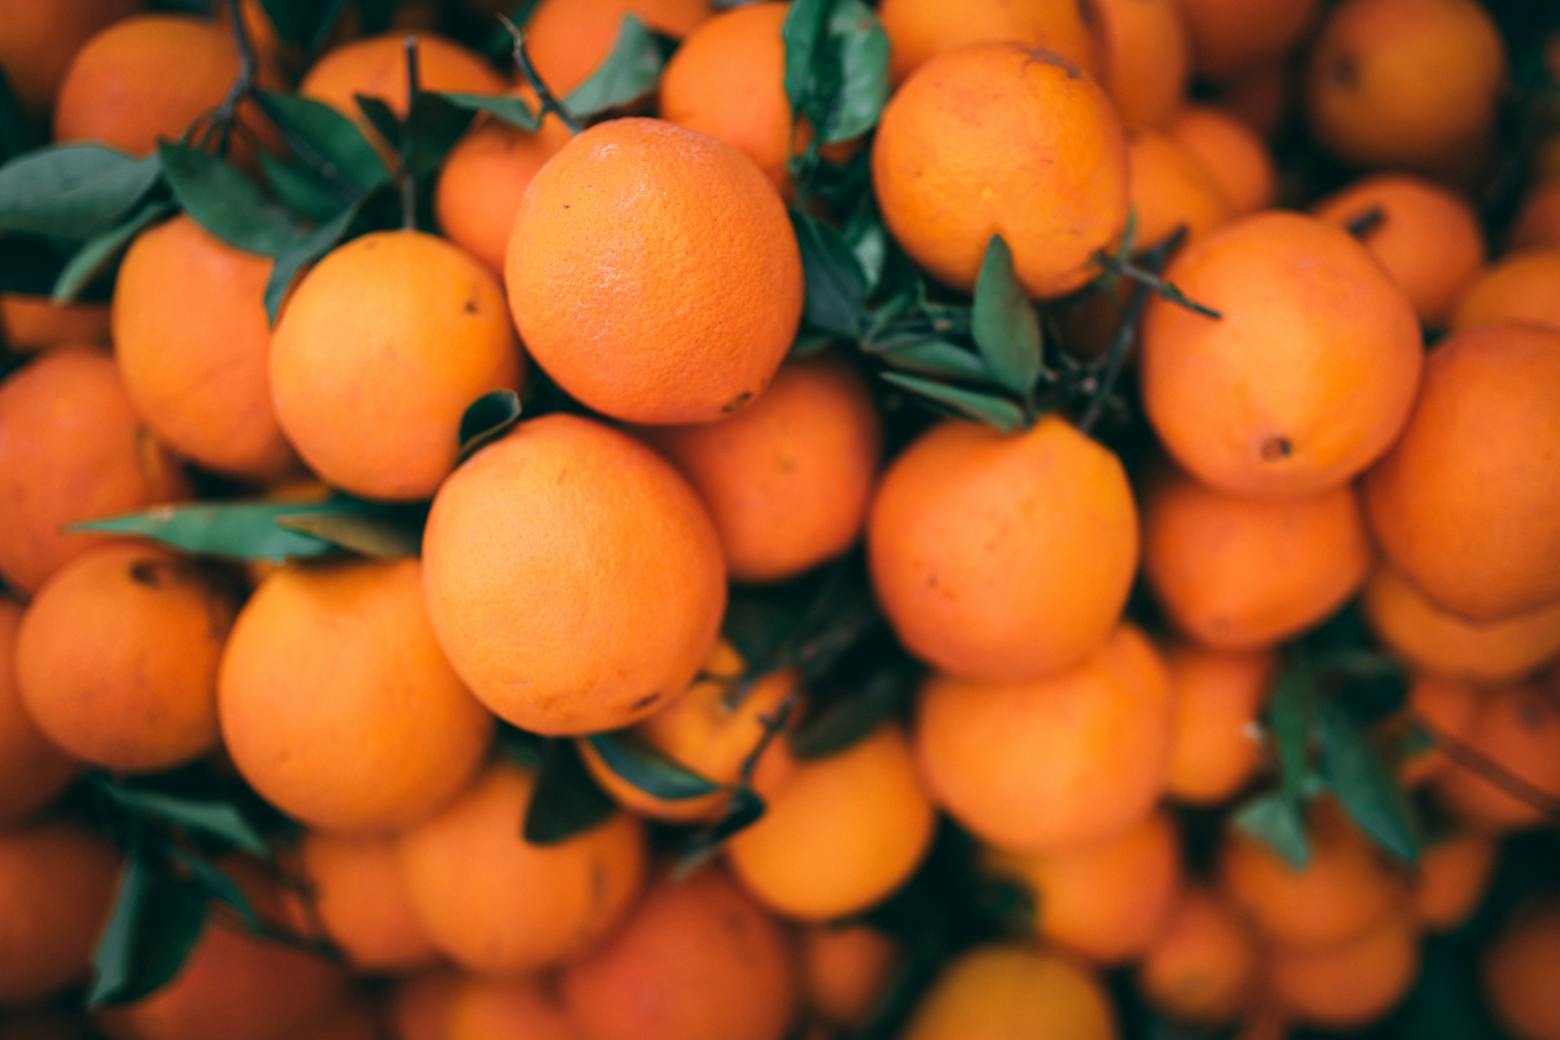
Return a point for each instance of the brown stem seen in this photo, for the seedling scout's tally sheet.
(1474, 760)
(1364, 223)
(1123, 267)
(549, 100)
(220, 120)
(408, 181)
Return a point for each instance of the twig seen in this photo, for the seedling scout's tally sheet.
(549, 100)
(1364, 223)
(408, 181)
(220, 120)
(1123, 267)
(1476, 761)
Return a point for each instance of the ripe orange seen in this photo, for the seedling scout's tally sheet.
(569, 39)
(1003, 556)
(428, 321)
(592, 545)
(1519, 971)
(481, 1009)
(1169, 189)
(1352, 983)
(56, 888)
(360, 900)
(1451, 879)
(1056, 762)
(1446, 706)
(998, 139)
(1216, 744)
(1202, 966)
(1146, 58)
(653, 273)
(1230, 37)
(40, 40)
(1519, 287)
(1232, 153)
(1537, 225)
(1517, 728)
(1002, 992)
(346, 649)
(919, 30)
(29, 323)
(32, 770)
(1305, 379)
(846, 970)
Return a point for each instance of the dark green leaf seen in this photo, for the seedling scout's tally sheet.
(506, 108)
(809, 342)
(566, 800)
(851, 717)
(16, 134)
(338, 140)
(744, 810)
(1364, 784)
(432, 128)
(380, 534)
(213, 818)
(225, 202)
(1290, 714)
(868, 240)
(932, 357)
(488, 418)
(520, 747)
(647, 769)
(303, 253)
(155, 923)
(629, 72)
(302, 23)
(29, 265)
(1278, 821)
(994, 411)
(300, 189)
(71, 191)
(97, 254)
(1004, 323)
(217, 885)
(836, 67)
(381, 117)
(835, 287)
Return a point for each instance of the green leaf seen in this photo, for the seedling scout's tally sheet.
(379, 534)
(300, 188)
(994, 411)
(852, 716)
(97, 254)
(1277, 820)
(522, 748)
(868, 240)
(16, 133)
(339, 142)
(647, 769)
(486, 419)
(155, 923)
(432, 128)
(745, 809)
(381, 117)
(931, 357)
(217, 885)
(506, 108)
(303, 253)
(835, 286)
(1290, 715)
(225, 202)
(1004, 323)
(1364, 784)
(303, 23)
(836, 67)
(629, 72)
(566, 800)
(71, 191)
(213, 818)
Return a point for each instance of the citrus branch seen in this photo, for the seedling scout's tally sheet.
(1123, 267)
(1476, 761)
(408, 181)
(549, 100)
(219, 121)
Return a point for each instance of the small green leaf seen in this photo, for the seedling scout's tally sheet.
(835, 286)
(566, 801)
(1004, 323)
(225, 202)
(868, 240)
(745, 809)
(303, 23)
(71, 191)
(217, 885)
(1364, 784)
(432, 129)
(379, 534)
(300, 189)
(97, 254)
(1290, 715)
(647, 769)
(303, 253)
(994, 411)
(932, 357)
(339, 142)
(381, 117)
(154, 925)
(506, 108)
(629, 72)
(836, 67)
(486, 419)
(851, 717)
(522, 748)
(213, 818)
(1277, 820)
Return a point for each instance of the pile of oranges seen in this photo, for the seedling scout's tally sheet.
(672, 521)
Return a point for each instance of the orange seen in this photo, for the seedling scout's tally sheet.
(481, 1009)
(1428, 239)
(1104, 900)
(1231, 152)
(786, 479)
(1352, 983)
(56, 888)
(1216, 744)
(116, 659)
(1239, 573)
(1404, 82)
(40, 40)
(592, 545)
(32, 770)
(1002, 992)
(346, 650)
(1445, 706)
(1202, 965)
(919, 30)
(997, 139)
(29, 323)
(1438, 641)
(1451, 879)
(351, 1021)
(497, 904)
(193, 345)
(1170, 189)
(428, 321)
(1519, 287)
(1146, 58)
(569, 39)
(1518, 729)
(71, 449)
(1462, 505)
(1537, 224)
(1003, 556)
(862, 810)
(360, 901)
(846, 971)
(653, 273)
(1519, 971)
(1051, 763)
(696, 961)
(1307, 376)
(1230, 37)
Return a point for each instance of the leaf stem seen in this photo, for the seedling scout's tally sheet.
(408, 179)
(1123, 267)
(549, 101)
(219, 121)
(1470, 758)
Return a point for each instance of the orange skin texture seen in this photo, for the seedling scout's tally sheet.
(428, 321)
(1438, 641)
(1202, 965)
(193, 345)
(1447, 706)
(481, 1009)
(1463, 504)
(697, 960)
(1231, 152)
(653, 273)
(919, 30)
(1051, 763)
(1517, 727)
(1003, 557)
(139, 693)
(1240, 573)
(1345, 889)
(1146, 58)
(33, 771)
(30, 323)
(1216, 744)
(361, 901)
(1230, 37)
(1107, 900)
(1519, 972)
(1169, 189)
(56, 887)
(336, 703)
(594, 546)
(1306, 379)
(569, 39)
(864, 805)
(71, 449)
(1520, 287)
(1404, 82)
(1451, 879)
(1001, 992)
(846, 971)
(787, 479)
(41, 39)
(496, 904)
(1353, 983)
(1537, 224)
(1428, 240)
(996, 139)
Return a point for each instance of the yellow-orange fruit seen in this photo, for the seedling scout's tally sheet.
(863, 809)
(1216, 743)
(336, 703)
(1230, 37)
(29, 323)
(1003, 556)
(482, 1009)
(1451, 879)
(1231, 152)
(1146, 58)
(1519, 974)
(1352, 983)
(1537, 225)
(786, 479)
(1427, 238)
(1517, 288)
(919, 30)
(1104, 900)
(1463, 504)
(41, 39)
(32, 770)
(1441, 707)
(1404, 82)
(428, 322)
(1443, 643)
(1239, 573)
(845, 972)
(997, 139)
(596, 548)
(1202, 965)
(1056, 762)
(569, 39)
(116, 658)
(193, 345)
(56, 888)
(653, 273)
(497, 904)
(1171, 189)
(1002, 992)
(1518, 729)
(71, 449)
(696, 961)
(1305, 378)
(361, 903)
